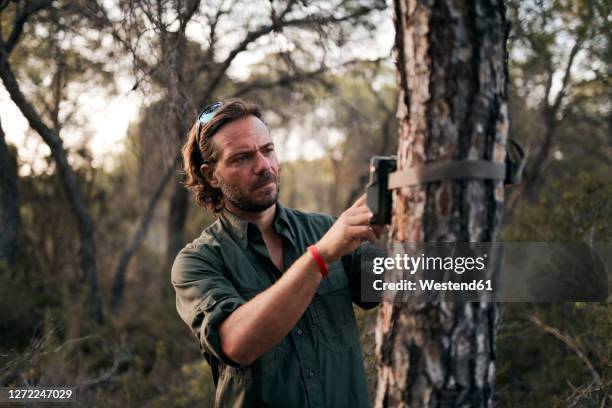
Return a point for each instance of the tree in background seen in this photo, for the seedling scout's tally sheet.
(451, 61)
(50, 65)
(9, 202)
(560, 58)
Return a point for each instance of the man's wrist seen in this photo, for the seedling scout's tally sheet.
(325, 254)
(318, 259)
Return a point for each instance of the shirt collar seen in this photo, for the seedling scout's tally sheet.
(239, 227)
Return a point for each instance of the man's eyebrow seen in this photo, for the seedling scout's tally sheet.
(243, 151)
(239, 152)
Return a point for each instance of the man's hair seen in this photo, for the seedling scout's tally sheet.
(205, 152)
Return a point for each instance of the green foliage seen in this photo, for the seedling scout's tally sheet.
(577, 209)
(536, 368)
(145, 358)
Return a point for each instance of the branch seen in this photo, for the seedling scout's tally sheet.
(284, 80)
(212, 36)
(117, 361)
(191, 8)
(567, 73)
(21, 17)
(569, 342)
(550, 120)
(254, 35)
(250, 37)
(10, 83)
(98, 14)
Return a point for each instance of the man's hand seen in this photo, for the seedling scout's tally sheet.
(349, 230)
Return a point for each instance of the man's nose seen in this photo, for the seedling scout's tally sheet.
(262, 163)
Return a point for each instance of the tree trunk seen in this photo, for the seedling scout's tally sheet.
(452, 73)
(177, 215)
(68, 179)
(120, 273)
(9, 203)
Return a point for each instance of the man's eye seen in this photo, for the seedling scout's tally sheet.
(269, 150)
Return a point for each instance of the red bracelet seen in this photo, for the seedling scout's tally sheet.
(317, 257)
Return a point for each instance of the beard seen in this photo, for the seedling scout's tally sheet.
(242, 198)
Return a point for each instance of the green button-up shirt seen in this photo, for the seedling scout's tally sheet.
(319, 363)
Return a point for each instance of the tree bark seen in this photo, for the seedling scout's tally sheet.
(452, 74)
(9, 203)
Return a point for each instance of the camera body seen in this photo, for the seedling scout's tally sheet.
(377, 191)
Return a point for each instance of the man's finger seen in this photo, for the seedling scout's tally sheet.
(358, 230)
(370, 236)
(360, 201)
(358, 210)
(362, 218)
(362, 232)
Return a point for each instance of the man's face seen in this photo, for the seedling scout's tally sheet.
(247, 169)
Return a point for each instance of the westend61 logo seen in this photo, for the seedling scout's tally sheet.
(413, 264)
(472, 271)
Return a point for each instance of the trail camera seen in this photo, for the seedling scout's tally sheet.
(377, 191)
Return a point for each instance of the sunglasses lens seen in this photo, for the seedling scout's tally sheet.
(208, 113)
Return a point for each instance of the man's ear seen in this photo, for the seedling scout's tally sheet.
(208, 173)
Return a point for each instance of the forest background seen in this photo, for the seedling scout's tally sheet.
(97, 98)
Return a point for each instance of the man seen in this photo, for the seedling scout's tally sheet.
(268, 290)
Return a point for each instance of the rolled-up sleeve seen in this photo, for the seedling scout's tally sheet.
(205, 297)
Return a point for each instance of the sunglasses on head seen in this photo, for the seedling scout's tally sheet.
(205, 116)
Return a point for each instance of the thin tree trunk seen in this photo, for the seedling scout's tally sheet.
(9, 203)
(68, 179)
(119, 276)
(550, 113)
(450, 57)
(177, 215)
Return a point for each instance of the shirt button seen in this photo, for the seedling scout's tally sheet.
(310, 373)
(299, 332)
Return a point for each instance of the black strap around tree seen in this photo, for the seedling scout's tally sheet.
(510, 172)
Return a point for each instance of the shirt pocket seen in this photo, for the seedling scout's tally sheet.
(333, 309)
